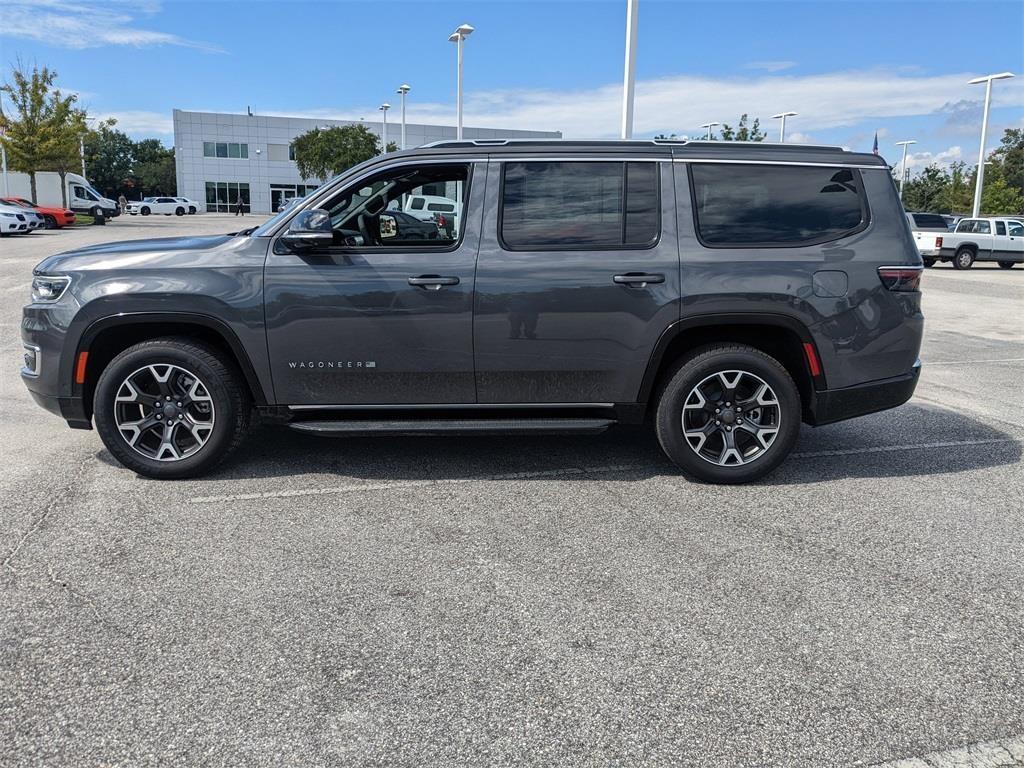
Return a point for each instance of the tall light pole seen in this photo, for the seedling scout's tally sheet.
(629, 73)
(709, 126)
(903, 164)
(3, 152)
(987, 79)
(384, 126)
(457, 37)
(402, 90)
(782, 126)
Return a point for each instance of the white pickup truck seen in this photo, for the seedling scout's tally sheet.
(999, 239)
(928, 230)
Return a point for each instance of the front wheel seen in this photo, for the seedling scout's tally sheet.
(964, 259)
(728, 414)
(144, 211)
(171, 408)
(1007, 264)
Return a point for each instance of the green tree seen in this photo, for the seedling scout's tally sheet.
(63, 133)
(926, 191)
(323, 153)
(41, 129)
(1000, 199)
(1009, 158)
(153, 166)
(743, 131)
(109, 155)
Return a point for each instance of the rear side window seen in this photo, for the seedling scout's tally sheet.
(775, 206)
(417, 204)
(579, 204)
(440, 207)
(1000, 228)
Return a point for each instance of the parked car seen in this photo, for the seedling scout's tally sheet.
(999, 239)
(726, 291)
(191, 206)
(78, 194)
(442, 211)
(13, 220)
(928, 230)
(33, 219)
(168, 206)
(53, 218)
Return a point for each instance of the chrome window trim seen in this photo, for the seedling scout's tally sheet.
(329, 188)
(579, 159)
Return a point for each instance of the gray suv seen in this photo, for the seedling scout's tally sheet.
(724, 292)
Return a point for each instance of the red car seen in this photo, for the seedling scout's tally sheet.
(54, 217)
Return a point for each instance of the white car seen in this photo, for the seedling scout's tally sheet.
(168, 206)
(13, 220)
(191, 206)
(995, 239)
(443, 211)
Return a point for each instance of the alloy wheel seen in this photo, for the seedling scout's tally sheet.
(731, 418)
(164, 412)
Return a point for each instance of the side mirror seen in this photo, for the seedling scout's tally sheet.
(309, 231)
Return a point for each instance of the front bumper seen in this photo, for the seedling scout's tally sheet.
(71, 409)
(832, 405)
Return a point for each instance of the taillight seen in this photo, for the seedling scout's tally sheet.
(901, 279)
(938, 242)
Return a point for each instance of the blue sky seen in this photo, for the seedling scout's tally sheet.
(848, 68)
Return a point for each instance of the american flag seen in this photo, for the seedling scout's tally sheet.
(875, 147)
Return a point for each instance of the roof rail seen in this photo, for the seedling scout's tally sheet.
(453, 143)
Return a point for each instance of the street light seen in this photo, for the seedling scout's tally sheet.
(457, 37)
(629, 73)
(987, 79)
(384, 128)
(903, 164)
(402, 90)
(782, 126)
(709, 126)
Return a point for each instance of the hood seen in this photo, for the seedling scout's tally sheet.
(137, 254)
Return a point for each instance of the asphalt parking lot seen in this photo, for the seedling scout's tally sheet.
(524, 601)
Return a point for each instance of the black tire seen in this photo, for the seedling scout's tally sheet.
(144, 211)
(964, 258)
(704, 364)
(96, 212)
(179, 211)
(232, 406)
(191, 210)
(1007, 264)
(49, 222)
(928, 263)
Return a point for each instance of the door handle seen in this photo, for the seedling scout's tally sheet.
(433, 282)
(638, 279)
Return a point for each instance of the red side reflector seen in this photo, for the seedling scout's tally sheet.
(901, 279)
(812, 359)
(83, 359)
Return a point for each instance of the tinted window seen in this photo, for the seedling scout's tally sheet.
(440, 207)
(1000, 228)
(417, 204)
(984, 228)
(966, 225)
(579, 205)
(775, 205)
(930, 221)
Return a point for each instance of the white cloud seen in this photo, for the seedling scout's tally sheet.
(916, 161)
(88, 25)
(140, 122)
(770, 66)
(799, 138)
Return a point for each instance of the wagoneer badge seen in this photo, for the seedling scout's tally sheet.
(324, 364)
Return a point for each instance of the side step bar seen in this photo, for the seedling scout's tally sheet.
(453, 426)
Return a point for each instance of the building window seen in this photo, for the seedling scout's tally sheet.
(225, 149)
(291, 152)
(222, 196)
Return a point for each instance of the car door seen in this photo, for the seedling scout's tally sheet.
(983, 233)
(577, 277)
(1013, 249)
(376, 318)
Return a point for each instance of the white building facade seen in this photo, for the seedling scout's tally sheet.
(221, 157)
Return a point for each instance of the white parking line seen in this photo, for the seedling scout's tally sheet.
(1003, 753)
(972, 362)
(554, 473)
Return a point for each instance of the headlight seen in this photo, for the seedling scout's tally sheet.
(9, 215)
(48, 289)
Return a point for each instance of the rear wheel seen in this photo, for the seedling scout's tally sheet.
(929, 262)
(171, 408)
(191, 210)
(179, 211)
(728, 414)
(1007, 264)
(964, 258)
(49, 222)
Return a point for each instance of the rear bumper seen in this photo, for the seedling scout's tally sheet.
(832, 405)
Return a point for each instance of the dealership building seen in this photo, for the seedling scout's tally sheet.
(220, 157)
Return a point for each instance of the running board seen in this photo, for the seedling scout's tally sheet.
(454, 426)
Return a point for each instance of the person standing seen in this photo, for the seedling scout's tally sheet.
(239, 208)
(122, 202)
